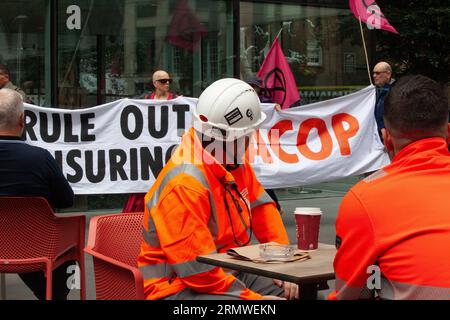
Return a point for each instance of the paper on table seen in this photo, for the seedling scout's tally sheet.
(251, 253)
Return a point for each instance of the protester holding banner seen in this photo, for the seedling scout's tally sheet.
(207, 199)
(382, 78)
(393, 228)
(31, 171)
(161, 83)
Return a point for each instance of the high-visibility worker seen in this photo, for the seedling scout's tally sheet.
(393, 228)
(206, 200)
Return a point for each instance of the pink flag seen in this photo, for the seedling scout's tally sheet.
(277, 78)
(370, 13)
(185, 30)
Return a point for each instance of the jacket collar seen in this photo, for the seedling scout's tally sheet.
(428, 147)
(10, 138)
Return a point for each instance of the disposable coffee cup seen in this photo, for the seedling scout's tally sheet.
(308, 223)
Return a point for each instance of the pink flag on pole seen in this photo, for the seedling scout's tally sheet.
(277, 78)
(370, 13)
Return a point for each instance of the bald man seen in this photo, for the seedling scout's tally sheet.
(382, 78)
(161, 82)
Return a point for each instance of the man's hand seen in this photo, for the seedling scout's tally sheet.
(277, 107)
(290, 289)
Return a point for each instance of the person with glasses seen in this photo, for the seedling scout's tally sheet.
(382, 78)
(207, 199)
(161, 82)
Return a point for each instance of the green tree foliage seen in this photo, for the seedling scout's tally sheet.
(423, 46)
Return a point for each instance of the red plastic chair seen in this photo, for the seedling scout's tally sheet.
(114, 243)
(33, 238)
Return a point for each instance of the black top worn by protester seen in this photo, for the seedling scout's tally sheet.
(27, 170)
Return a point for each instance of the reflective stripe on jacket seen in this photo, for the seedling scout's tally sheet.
(186, 215)
(393, 229)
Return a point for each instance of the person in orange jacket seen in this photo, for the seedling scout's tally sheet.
(393, 228)
(206, 200)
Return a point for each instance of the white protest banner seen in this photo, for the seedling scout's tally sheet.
(120, 147)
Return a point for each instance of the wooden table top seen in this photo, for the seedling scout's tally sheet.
(317, 269)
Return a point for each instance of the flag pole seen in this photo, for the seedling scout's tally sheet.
(365, 50)
(279, 32)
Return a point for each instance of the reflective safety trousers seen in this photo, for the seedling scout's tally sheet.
(393, 229)
(197, 207)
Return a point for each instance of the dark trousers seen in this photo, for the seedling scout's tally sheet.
(36, 281)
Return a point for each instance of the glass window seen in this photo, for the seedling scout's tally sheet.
(321, 50)
(23, 46)
(114, 48)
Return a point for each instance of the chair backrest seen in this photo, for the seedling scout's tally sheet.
(119, 236)
(116, 236)
(28, 229)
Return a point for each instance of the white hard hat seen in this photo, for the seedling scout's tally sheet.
(227, 110)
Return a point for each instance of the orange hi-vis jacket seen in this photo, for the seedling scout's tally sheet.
(186, 215)
(393, 229)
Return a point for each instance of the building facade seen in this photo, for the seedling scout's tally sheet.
(81, 53)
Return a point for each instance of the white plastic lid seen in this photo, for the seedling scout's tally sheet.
(308, 211)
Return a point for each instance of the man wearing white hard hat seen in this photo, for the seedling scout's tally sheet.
(207, 199)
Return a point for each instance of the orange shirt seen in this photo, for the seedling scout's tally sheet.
(393, 229)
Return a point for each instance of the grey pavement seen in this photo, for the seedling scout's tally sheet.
(326, 196)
